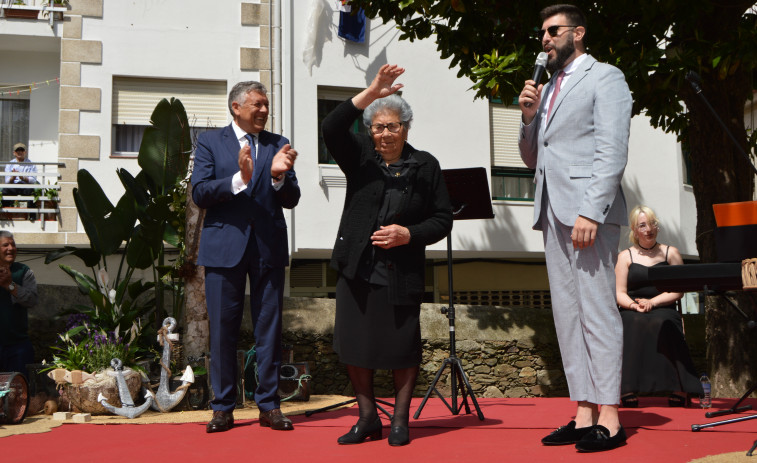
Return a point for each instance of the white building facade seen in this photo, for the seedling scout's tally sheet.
(112, 57)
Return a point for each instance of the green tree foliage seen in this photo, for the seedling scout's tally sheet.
(655, 43)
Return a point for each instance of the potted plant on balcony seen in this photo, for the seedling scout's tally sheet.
(22, 13)
(57, 4)
(42, 196)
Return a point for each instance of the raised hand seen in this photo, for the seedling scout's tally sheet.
(383, 84)
(283, 160)
(529, 100)
(246, 163)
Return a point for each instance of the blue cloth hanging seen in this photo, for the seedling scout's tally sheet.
(352, 25)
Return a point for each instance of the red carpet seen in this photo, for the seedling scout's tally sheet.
(510, 432)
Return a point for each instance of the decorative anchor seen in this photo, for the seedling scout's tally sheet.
(128, 409)
(164, 399)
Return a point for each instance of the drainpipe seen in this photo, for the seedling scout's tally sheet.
(275, 53)
(275, 59)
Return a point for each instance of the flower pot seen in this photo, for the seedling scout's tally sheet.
(21, 13)
(48, 204)
(84, 396)
(10, 214)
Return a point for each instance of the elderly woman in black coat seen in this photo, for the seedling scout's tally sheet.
(396, 204)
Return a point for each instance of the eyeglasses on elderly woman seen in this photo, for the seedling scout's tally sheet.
(393, 127)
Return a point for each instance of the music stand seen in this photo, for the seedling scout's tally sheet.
(469, 194)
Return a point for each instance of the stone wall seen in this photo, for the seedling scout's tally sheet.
(504, 352)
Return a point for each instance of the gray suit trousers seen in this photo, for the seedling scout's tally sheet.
(587, 321)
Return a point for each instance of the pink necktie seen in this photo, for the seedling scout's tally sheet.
(558, 83)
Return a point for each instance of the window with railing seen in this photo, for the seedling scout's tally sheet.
(135, 98)
(511, 179)
(34, 9)
(30, 193)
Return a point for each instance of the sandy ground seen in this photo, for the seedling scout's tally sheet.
(44, 423)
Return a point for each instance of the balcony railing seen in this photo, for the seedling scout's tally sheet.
(39, 201)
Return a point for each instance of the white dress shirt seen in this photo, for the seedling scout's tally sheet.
(237, 185)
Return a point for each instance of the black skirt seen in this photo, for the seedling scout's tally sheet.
(655, 355)
(371, 333)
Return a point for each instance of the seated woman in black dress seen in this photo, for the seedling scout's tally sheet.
(655, 355)
(396, 204)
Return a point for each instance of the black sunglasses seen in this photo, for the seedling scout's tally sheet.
(551, 30)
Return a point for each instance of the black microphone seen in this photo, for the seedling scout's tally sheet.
(694, 80)
(541, 62)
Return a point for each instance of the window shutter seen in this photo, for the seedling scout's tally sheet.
(505, 125)
(134, 100)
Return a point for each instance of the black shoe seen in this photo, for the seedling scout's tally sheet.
(222, 421)
(399, 435)
(599, 440)
(361, 432)
(675, 400)
(275, 420)
(629, 401)
(567, 434)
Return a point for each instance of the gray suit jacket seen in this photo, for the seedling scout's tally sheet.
(581, 152)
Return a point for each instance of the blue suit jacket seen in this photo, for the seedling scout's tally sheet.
(230, 219)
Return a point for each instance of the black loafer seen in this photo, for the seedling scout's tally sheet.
(599, 440)
(567, 434)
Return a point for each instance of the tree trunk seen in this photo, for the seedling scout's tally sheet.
(195, 311)
(720, 174)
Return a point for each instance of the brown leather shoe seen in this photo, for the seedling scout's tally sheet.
(276, 420)
(222, 421)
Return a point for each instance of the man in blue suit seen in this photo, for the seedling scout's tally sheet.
(574, 134)
(243, 177)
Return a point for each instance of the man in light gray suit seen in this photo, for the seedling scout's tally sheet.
(574, 133)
